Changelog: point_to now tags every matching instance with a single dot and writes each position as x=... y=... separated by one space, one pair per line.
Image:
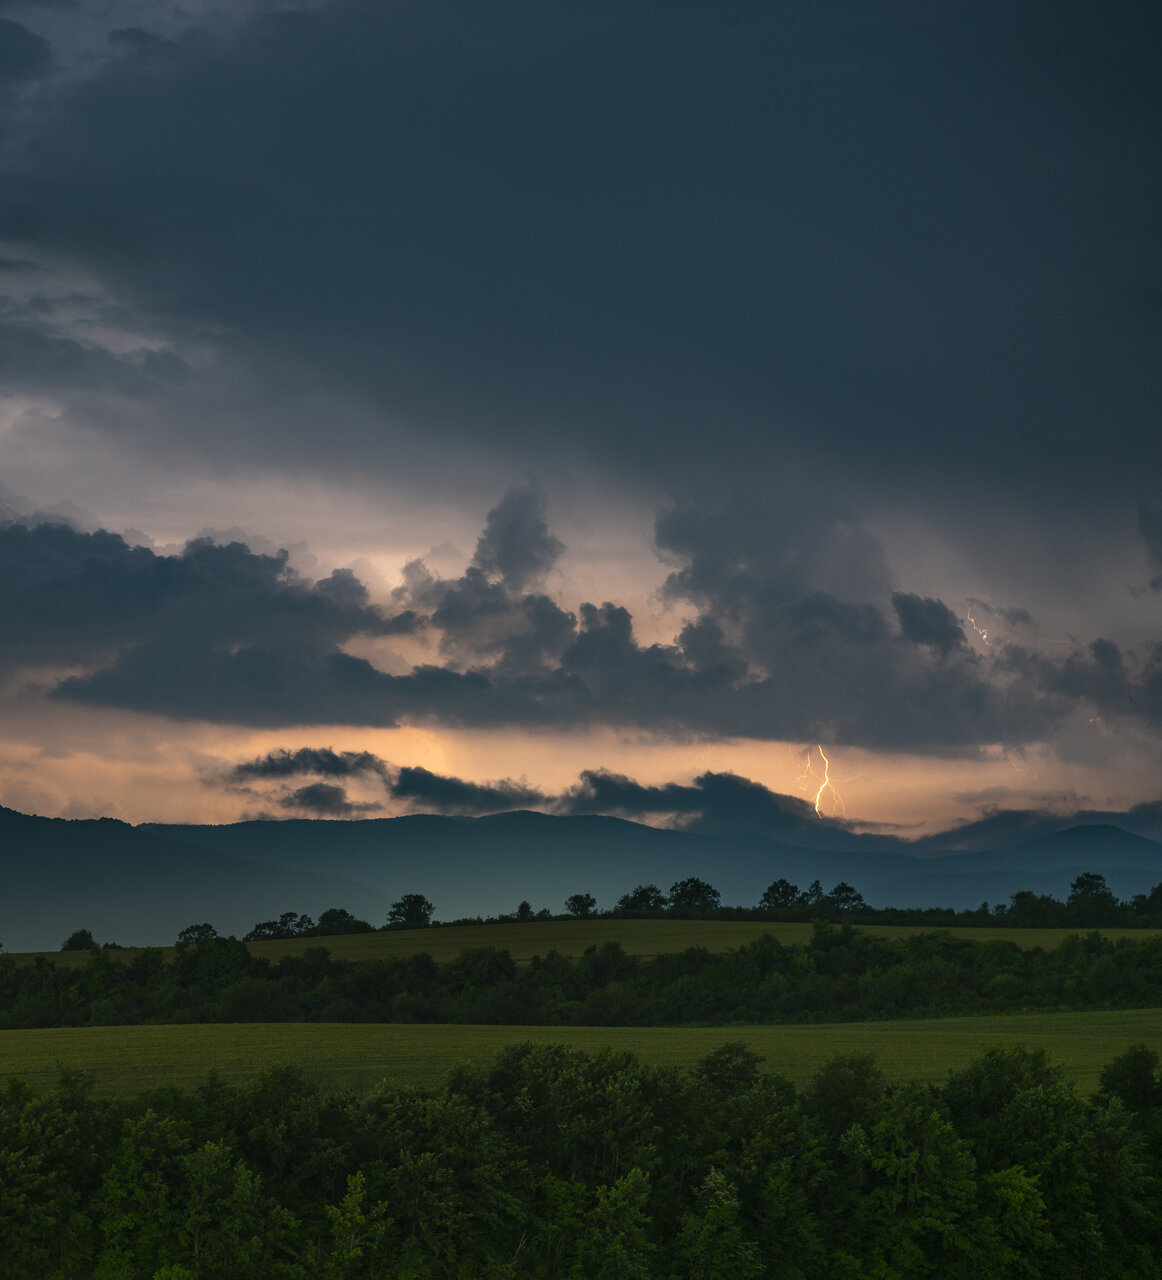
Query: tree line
x=549 y=1162
x=1091 y=904
x=839 y=974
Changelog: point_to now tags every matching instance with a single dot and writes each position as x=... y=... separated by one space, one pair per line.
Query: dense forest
x=840 y=974
x=547 y=1162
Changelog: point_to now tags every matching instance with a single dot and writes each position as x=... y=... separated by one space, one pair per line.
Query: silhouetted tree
x=694 y=895
x=524 y=912
x=1029 y=910
x=643 y=897
x=779 y=896
x=1090 y=900
x=288 y=925
x=580 y=905
x=412 y=911
x=846 y=898
x=812 y=895
x=80 y=940
x=339 y=920
x=192 y=934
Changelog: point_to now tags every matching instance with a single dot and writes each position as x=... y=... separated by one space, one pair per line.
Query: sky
x=583 y=406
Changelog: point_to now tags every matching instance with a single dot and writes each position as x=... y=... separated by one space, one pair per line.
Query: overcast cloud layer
x=861 y=302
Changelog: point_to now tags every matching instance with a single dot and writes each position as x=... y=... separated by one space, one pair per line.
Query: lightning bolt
x=982 y=632
x=809 y=777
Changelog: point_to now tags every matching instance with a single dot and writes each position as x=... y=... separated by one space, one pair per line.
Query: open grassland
x=127 y=1060
x=571 y=937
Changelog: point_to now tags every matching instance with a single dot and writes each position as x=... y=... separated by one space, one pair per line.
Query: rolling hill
x=141 y=885
x=138 y=887
x=485 y=866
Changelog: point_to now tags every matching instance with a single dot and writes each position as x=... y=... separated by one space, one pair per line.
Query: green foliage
x=357 y=1231
x=550 y=1162
x=841 y=974
x=1134 y=1079
x=710 y=1242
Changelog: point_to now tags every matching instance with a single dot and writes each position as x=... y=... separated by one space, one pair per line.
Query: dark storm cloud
x=926 y=621
x=516 y=544
x=487 y=611
x=1011 y=617
x=23 y=55
x=325 y=800
x=224 y=634
x=712 y=804
x=35 y=359
x=1150 y=527
x=72 y=597
x=443 y=794
x=319 y=760
x=857 y=248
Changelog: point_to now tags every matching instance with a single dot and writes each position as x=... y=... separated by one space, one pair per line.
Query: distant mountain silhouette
x=141 y=885
x=1012 y=826
x=138 y=887
x=485 y=866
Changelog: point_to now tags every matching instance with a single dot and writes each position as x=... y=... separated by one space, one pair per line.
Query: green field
x=571 y=937
x=126 y=1060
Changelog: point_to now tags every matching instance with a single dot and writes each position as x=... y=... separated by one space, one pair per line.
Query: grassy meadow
x=644 y=938
x=127 y=1060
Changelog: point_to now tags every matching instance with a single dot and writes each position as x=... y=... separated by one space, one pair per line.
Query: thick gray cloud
x=1150 y=527
x=432 y=791
x=325 y=800
x=77 y=597
x=23 y=55
x=319 y=760
x=516 y=544
x=222 y=633
x=713 y=804
x=887 y=253
x=784 y=274
x=416 y=786
x=925 y=621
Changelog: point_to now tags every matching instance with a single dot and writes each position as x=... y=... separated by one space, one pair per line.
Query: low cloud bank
x=797 y=648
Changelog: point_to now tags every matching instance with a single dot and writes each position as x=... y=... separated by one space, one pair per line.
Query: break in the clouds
x=855 y=306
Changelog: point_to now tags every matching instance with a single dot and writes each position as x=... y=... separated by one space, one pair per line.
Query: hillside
x=471 y=866
x=133 y=886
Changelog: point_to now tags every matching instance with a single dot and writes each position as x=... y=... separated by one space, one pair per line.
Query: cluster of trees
x=1091 y=904
x=412 y=911
x=548 y=1162
x=840 y=974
